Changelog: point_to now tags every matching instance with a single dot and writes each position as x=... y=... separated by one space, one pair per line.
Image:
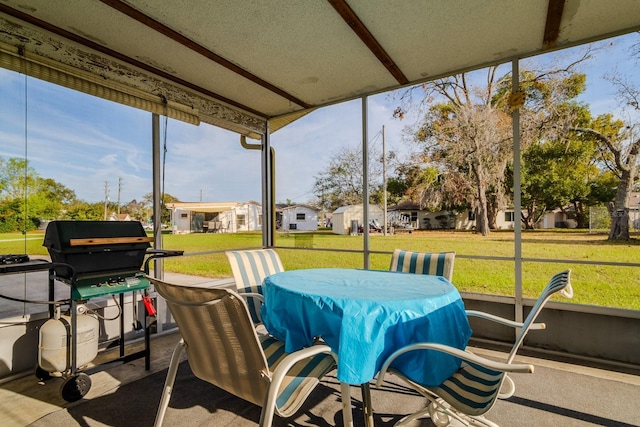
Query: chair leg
x=347 y=416
x=412 y=417
x=367 y=405
x=168 y=383
x=268 y=407
x=507 y=389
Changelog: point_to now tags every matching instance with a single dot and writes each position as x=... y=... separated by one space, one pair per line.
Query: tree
x=165 y=217
x=340 y=183
x=556 y=175
x=624 y=150
x=558 y=172
x=49 y=199
x=28 y=198
x=9 y=219
x=466 y=131
x=467 y=137
x=16 y=177
x=136 y=210
x=80 y=210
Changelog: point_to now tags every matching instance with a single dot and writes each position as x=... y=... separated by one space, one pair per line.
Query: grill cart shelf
x=95 y=258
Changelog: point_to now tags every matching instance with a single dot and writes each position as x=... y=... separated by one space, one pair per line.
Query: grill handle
x=108 y=241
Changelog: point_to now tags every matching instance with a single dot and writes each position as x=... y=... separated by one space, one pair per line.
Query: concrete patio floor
x=557 y=394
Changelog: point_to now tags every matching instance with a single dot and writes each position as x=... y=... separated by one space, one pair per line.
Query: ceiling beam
x=552 y=26
x=117 y=55
x=192 y=45
x=349 y=16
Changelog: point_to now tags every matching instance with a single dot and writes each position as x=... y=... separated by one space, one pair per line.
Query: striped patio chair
x=437 y=264
x=473 y=389
x=249 y=268
x=224 y=349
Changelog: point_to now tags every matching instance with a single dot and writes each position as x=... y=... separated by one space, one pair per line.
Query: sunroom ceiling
x=236 y=63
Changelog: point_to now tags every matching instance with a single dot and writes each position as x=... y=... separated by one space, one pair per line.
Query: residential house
x=229 y=217
x=119 y=217
x=298 y=217
x=345 y=218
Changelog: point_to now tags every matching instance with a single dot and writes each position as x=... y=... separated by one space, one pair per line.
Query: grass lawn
x=611 y=286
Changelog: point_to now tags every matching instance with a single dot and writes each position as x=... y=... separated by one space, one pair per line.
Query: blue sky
x=88 y=144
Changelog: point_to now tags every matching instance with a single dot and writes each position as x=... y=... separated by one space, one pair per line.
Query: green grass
x=602 y=285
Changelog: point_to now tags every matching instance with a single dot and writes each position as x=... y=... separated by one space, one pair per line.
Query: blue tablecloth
x=365 y=315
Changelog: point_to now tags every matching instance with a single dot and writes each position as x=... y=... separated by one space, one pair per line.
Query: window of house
x=241 y=220
x=260 y=219
x=509 y=216
x=184 y=215
x=301 y=216
x=472 y=216
x=414 y=216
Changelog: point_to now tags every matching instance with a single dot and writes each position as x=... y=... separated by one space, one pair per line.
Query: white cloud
x=109 y=160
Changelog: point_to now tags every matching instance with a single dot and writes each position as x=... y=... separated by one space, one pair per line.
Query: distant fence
x=600 y=219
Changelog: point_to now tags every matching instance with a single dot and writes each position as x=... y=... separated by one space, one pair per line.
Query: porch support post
x=158 y=266
x=517 y=195
x=365 y=184
x=158 y=271
x=268 y=190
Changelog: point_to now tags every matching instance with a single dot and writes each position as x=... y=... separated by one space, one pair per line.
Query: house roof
x=356 y=208
x=405 y=206
x=235 y=64
x=120 y=217
x=203 y=206
x=298 y=205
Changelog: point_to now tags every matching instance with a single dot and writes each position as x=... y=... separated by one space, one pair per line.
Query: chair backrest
x=249 y=268
x=560 y=282
x=221 y=342
x=438 y=264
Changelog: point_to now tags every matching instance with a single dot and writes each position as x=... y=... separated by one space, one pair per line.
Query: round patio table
x=366 y=315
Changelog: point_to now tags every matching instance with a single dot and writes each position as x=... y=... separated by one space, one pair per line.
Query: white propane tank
x=53 y=355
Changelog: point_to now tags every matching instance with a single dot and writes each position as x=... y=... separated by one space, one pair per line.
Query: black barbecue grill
x=98 y=258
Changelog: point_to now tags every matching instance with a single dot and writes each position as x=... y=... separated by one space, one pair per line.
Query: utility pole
x=384 y=184
x=106 y=198
x=119 y=189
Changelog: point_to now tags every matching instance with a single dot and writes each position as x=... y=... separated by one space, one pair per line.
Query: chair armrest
x=293 y=358
x=255 y=295
x=278 y=375
x=502 y=320
x=461 y=354
x=567 y=292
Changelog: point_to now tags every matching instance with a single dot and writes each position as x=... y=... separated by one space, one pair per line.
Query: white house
x=242 y=217
x=231 y=217
x=119 y=217
x=297 y=217
x=343 y=217
x=427 y=220
x=410 y=214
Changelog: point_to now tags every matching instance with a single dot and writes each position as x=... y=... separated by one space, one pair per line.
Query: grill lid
x=92 y=247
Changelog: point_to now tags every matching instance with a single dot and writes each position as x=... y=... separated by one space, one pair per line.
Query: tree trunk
x=482 y=222
x=581 y=216
x=492 y=214
x=527 y=220
x=620 y=210
x=619 y=224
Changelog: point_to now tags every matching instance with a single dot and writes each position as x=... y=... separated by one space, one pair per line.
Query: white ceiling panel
x=240 y=62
